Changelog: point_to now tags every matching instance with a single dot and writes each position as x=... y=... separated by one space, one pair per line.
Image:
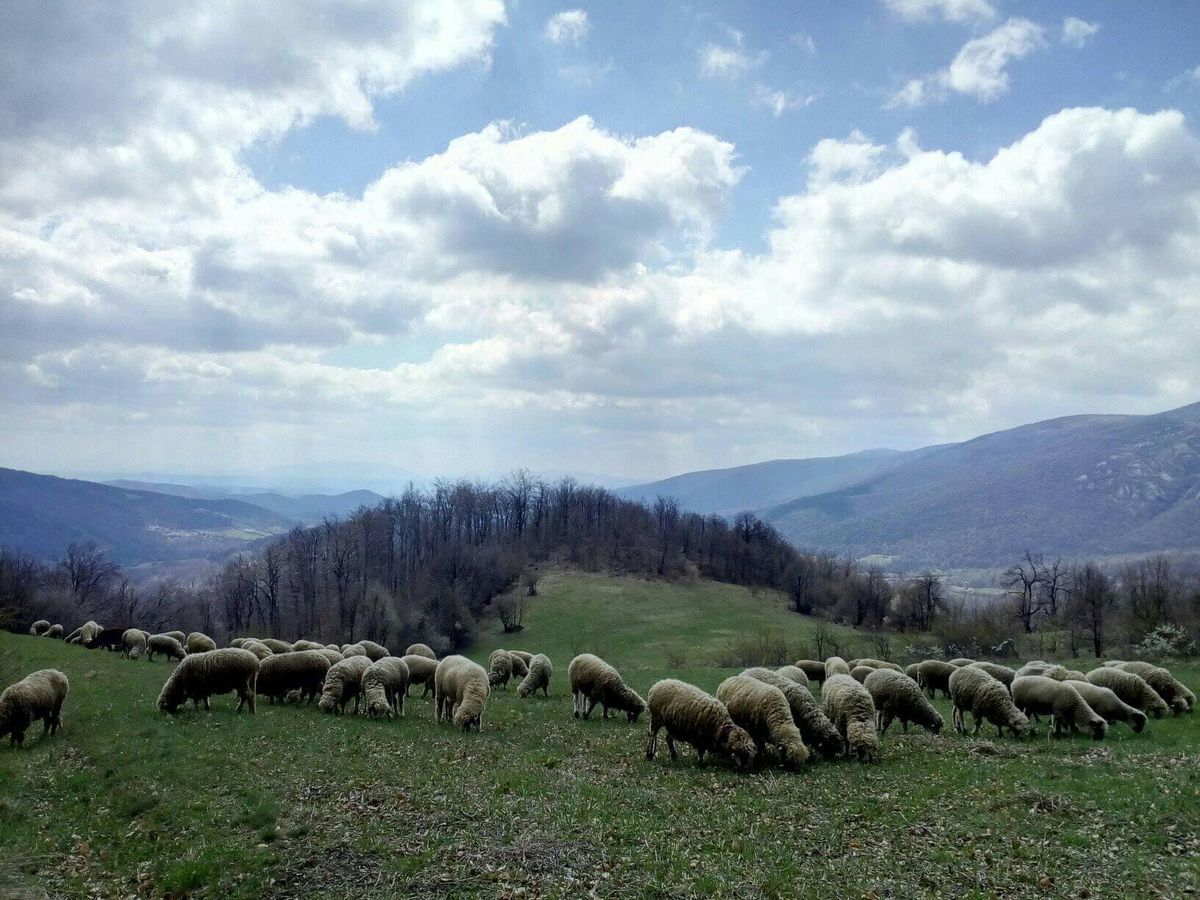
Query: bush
x=762 y=648
x=1166 y=640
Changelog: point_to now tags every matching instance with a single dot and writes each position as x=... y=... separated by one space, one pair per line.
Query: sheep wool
x=334 y=656
x=860 y=673
x=349 y=650
x=975 y=691
x=1131 y=689
x=896 y=696
x=258 y=648
x=849 y=707
x=690 y=715
x=934 y=675
x=1003 y=674
x=178 y=635
x=56 y=632
x=499 y=668
x=795 y=673
x=383 y=687
x=375 y=652
x=420 y=650
x=275 y=645
x=520 y=668
x=538 y=679
x=835 y=665
x=307 y=645
x=816 y=729
x=524 y=655
x=135 y=643
x=279 y=674
x=200 y=676
x=421 y=670
x=593 y=681
x=1107 y=704
x=876 y=664
x=1041 y=695
x=38 y=696
x=813 y=668
x=461 y=691
x=39 y=628
x=763 y=711
x=164 y=645
x=84 y=633
x=198 y=642
x=343 y=683
x=961 y=661
x=1174 y=694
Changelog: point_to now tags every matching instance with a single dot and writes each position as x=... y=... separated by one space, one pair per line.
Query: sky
x=457 y=238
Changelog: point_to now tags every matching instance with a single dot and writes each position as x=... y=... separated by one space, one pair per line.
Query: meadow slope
x=286 y=803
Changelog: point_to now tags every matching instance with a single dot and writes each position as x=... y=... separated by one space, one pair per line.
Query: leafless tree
x=1092 y=604
x=88 y=573
x=1022 y=580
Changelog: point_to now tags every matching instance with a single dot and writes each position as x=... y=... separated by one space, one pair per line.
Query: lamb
x=198 y=642
x=975 y=691
x=343 y=683
x=278 y=674
x=39 y=628
x=593 y=681
x=420 y=650
x=56 y=632
x=835 y=665
x=934 y=675
x=1173 y=692
x=1107 y=704
x=375 y=652
x=538 y=678
x=1003 y=674
x=860 y=673
x=39 y=695
x=461 y=691
x=896 y=696
x=421 y=670
x=1131 y=689
x=164 y=645
x=520 y=668
x=813 y=668
x=84 y=632
x=849 y=707
x=258 y=648
x=276 y=646
x=1038 y=694
x=763 y=711
x=136 y=643
x=383 y=687
x=499 y=668
x=202 y=675
x=795 y=673
x=815 y=727
x=697 y=718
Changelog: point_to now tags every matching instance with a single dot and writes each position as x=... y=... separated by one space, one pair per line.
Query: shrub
x=1165 y=640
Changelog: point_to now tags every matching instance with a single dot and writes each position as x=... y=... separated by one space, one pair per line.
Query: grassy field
x=291 y=803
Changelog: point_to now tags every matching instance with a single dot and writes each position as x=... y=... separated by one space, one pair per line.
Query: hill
x=306 y=508
x=42 y=514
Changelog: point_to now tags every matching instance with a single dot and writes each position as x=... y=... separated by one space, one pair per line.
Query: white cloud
x=1077 y=32
x=979 y=69
x=1190 y=78
x=779 y=101
x=729 y=60
x=570 y=26
x=852 y=160
x=966 y=11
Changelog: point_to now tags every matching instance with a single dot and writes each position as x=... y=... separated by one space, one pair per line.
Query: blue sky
x=633 y=238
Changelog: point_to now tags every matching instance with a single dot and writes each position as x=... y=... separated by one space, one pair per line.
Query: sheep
x=763 y=711
x=135 y=642
x=39 y=695
x=538 y=678
x=461 y=691
x=499 y=668
x=1038 y=694
x=961 y=661
x=198 y=642
x=849 y=707
x=349 y=650
x=201 y=675
x=911 y=670
x=520 y=668
x=813 y=668
x=375 y=652
x=1068 y=674
x=1173 y=692
x=975 y=691
x=860 y=673
x=343 y=683
x=111 y=639
x=934 y=675
x=421 y=670
x=333 y=647
x=258 y=648
x=1003 y=674
x=1131 y=689
x=278 y=674
x=39 y=628
x=694 y=717
x=1034 y=667
x=835 y=665
x=875 y=664
x=306 y=645
x=524 y=655
x=383 y=687
x=239 y=642
x=165 y=645
x=275 y=645
x=1107 y=704
x=84 y=632
x=334 y=656
x=896 y=696
x=178 y=635
x=593 y=681
x=420 y=650
x=56 y=632
x=816 y=729
x=795 y=673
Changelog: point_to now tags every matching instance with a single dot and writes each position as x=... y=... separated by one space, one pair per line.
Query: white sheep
x=375 y=652
x=795 y=673
x=279 y=674
x=200 y=676
x=1041 y=695
x=1131 y=689
x=39 y=695
x=1166 y=685
x=384 y=686
x=136 y=643
x=896 y=696
x=593 y=681
x=461 y=691
x=1107 y=704
x=690 y=715
x=934 y=675
x=763 y=711
x=39 y=628
x=813 y=668
x=421 y=650
x=816 y=729
x=198 y=642
x=1003 y=674
x=499 y=668
x=835 y=665
x=850 y=708
x=421 y=670
x=538 y=679
x=164 y=645
x=975 y=691
x=343 y=683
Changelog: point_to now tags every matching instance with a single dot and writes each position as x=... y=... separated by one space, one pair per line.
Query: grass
x=287 y=803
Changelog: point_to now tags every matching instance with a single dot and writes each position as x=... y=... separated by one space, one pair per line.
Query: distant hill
x=42 y=514
x=306 y=508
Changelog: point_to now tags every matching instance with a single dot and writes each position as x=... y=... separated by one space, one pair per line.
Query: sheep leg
x=674 y=752
x=652 y=740
x=957 y=719
x=591 y=706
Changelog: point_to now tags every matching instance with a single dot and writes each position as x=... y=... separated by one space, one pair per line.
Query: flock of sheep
x=757 y=713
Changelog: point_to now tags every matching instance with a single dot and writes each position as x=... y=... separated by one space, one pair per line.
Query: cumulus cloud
x=979 y=69
x=729 y=60
x=1078 y=32
x=967 y=11
x=570 y=26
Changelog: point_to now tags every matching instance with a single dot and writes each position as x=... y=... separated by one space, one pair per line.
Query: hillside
x=306 y=508
x=42 y=514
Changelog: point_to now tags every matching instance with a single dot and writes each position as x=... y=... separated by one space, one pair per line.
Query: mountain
x=306 y=508
x=42 y=514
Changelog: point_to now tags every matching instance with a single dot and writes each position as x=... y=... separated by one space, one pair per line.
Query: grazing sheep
x=421 y=670
x=383 y=687
x=1003 y=674
x=349 y=650
x=343 y=683
x=39 y=628
x=279 y=674
x=961 y=661
x=1068 y=674
x=39 y=695
x=499 y=668
x=795 y=673
x=333 y=647
x=816 y=729
x=136 y=643
x=524 y=655
x=84 y=632
x=849 y=707
x=835 y=665
x=240 y=642
x=813 y=668
x=202 y=675
x=334 y=656
x=164 y=645
x=1166 y=685
x=258 y=648
x=461 y=692
x=1131 y=689
x=975 y=691
x=178 y=635
x=110 y=639
x=934 y=675
x=375 y=652
x=1034 y=667
x=694 y=717
x=896 y=696
x=198 y=642
x=911 y=670
x=1037 y=695
x=421 y=650
x=56 y=632
x=520 y=668
x=275 y=645
x=860 y=673
x=875 y=664
x=763 y=711
x=593 y=681
x=306 y=645
x=538 y=678
x=1107 y=704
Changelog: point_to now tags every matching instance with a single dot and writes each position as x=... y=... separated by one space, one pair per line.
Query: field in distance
x=289 y=802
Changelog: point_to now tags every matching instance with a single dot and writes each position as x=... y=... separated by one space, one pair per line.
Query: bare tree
x=1022 y=580
x=88 y=573
x=1093 y=602
x=1054 y=588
